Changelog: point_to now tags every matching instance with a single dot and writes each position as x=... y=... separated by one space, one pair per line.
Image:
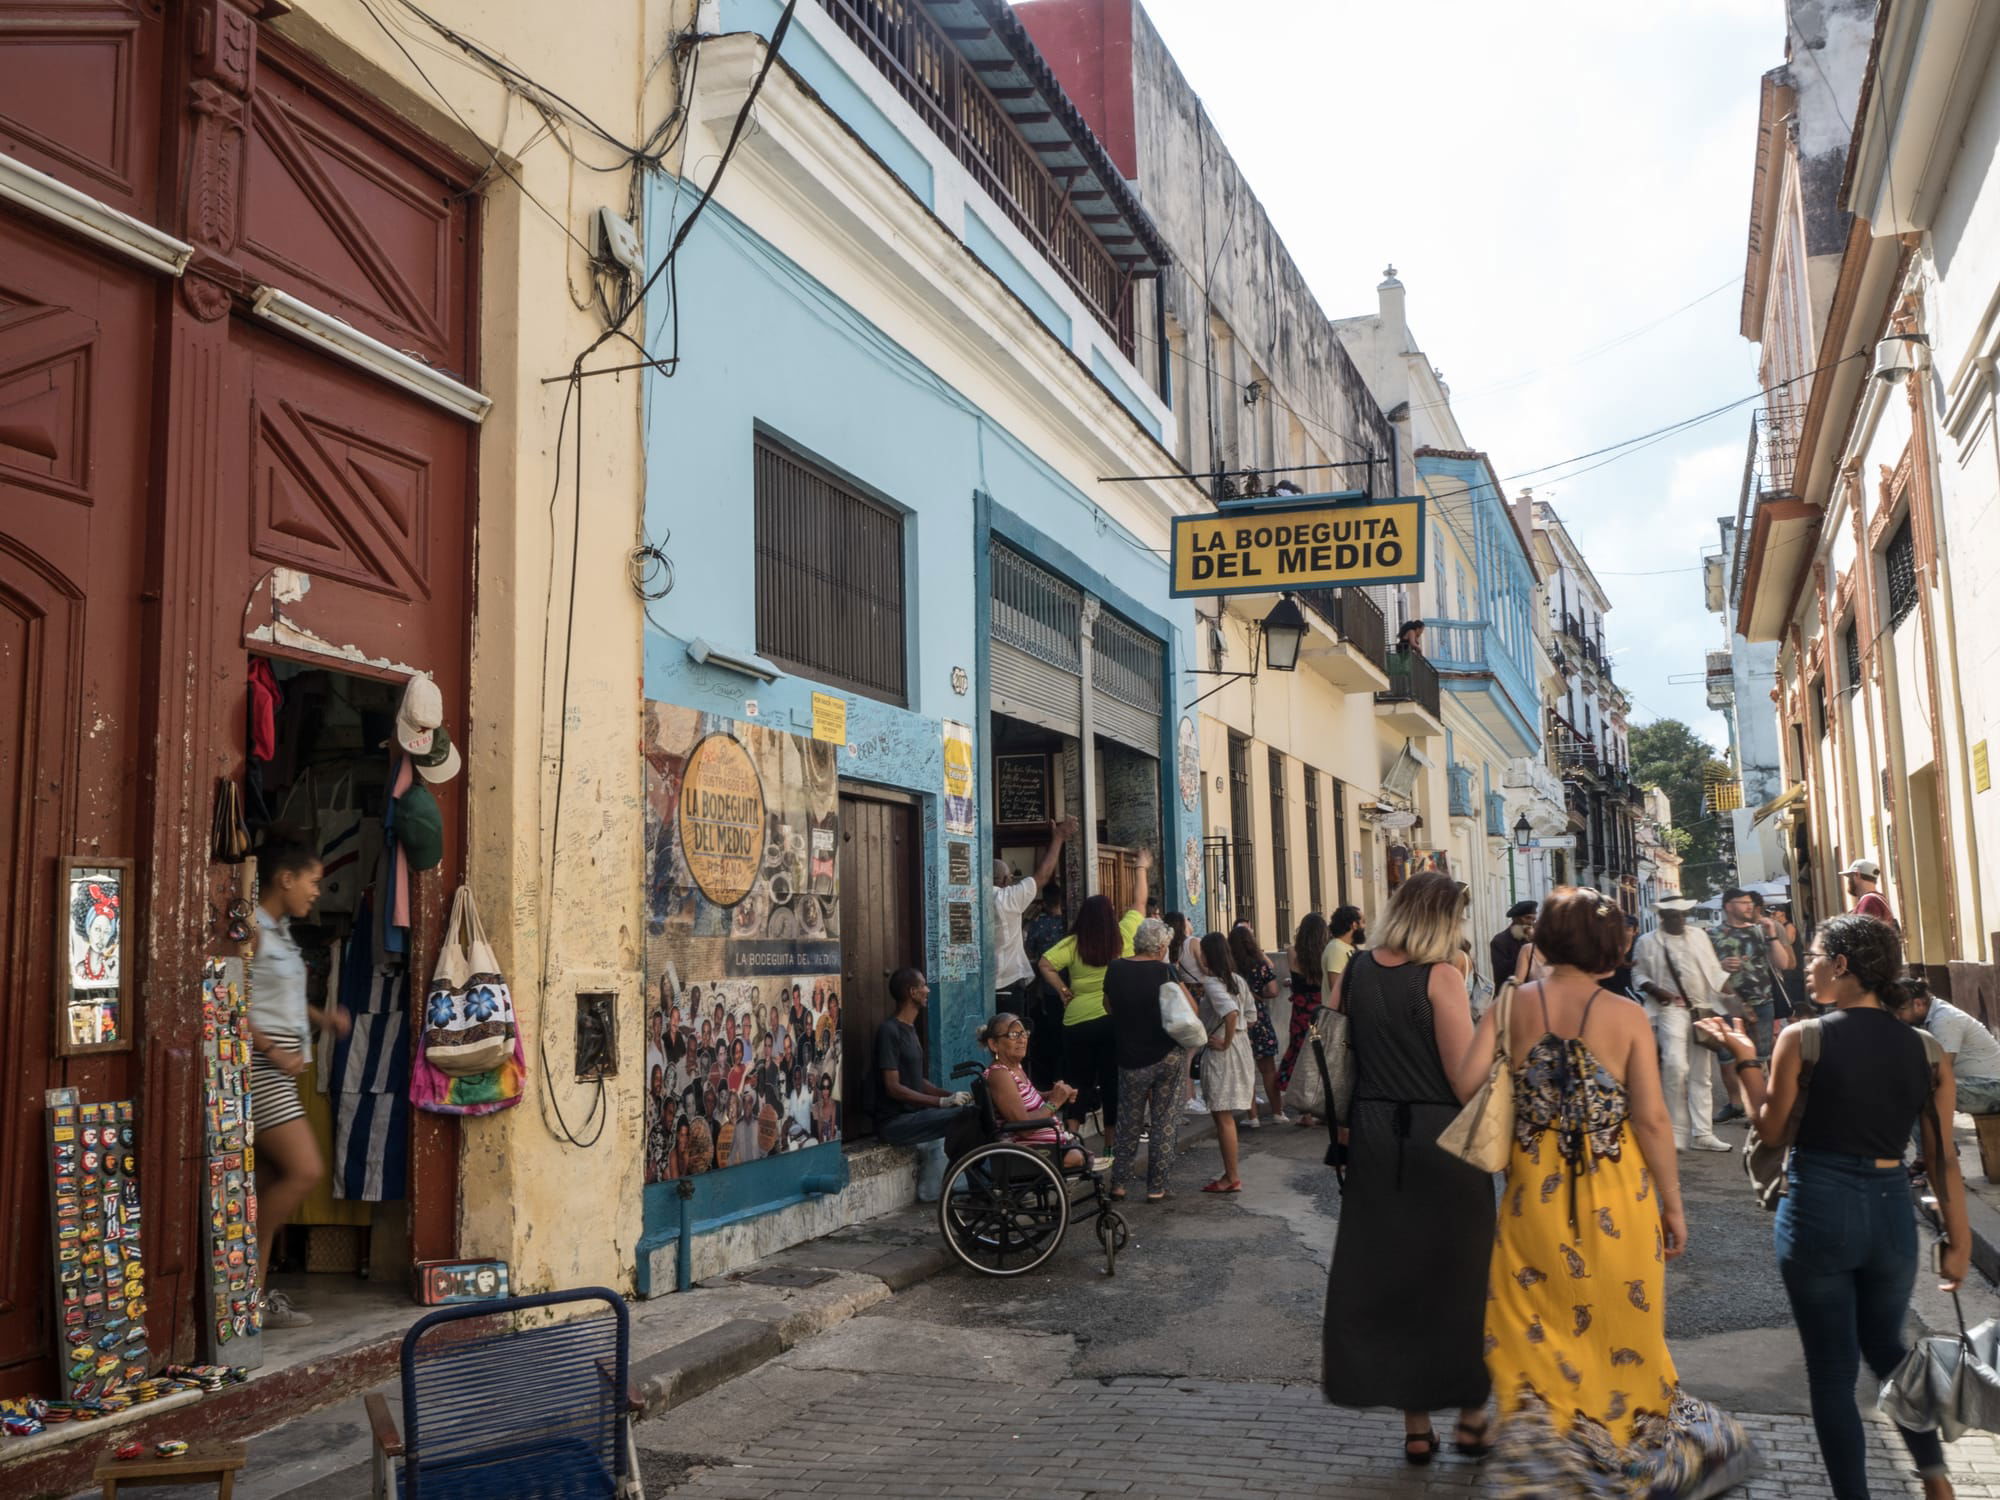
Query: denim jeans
x=1847 y=1250
x=1978 y=1096
x=924 y=1131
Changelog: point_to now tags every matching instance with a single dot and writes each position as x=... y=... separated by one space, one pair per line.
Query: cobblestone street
x=1191 y=1374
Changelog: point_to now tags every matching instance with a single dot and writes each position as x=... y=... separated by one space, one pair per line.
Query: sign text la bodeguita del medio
x=1313 y=542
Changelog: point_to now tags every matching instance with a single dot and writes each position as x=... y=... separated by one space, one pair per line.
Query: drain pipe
x=684 y=1251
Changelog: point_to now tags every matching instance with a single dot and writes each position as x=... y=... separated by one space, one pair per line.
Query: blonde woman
x=1406 y=1299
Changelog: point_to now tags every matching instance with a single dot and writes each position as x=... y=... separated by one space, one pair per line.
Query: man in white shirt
x=1675 y=968
x=1012 y=897
x=1975 y=1054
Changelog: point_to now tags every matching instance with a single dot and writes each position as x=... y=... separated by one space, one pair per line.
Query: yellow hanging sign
x=1314 y=542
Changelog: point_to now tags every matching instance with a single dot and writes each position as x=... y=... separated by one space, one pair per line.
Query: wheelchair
x=1007 y=1204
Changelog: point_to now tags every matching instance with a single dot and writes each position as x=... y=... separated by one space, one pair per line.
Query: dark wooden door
x=881 y=930
x=76 y=337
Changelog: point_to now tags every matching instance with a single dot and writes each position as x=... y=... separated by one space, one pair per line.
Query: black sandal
x=1481 y=1443
x=1419 y=1448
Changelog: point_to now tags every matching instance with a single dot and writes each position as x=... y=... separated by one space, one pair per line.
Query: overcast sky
x=1548 y=178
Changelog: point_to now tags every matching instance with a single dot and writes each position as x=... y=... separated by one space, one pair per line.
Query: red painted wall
x=1089 y=45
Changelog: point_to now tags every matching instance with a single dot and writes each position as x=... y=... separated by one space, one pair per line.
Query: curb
x=693 y=1367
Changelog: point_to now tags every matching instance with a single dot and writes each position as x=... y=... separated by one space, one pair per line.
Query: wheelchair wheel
x=1112 y=1235
x=1004 y=1209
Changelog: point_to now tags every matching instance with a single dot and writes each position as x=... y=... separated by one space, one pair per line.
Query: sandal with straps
x=1481 y=1442
x=1419 y=1448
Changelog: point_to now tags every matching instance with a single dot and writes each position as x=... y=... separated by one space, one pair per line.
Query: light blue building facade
x=820 y=371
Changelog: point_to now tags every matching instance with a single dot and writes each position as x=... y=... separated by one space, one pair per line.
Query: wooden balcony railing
x=909 y=49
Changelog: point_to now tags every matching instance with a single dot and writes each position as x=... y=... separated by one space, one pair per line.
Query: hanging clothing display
x=369 y=1081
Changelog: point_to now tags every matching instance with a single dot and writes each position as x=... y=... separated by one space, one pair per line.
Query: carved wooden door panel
x=75 y=349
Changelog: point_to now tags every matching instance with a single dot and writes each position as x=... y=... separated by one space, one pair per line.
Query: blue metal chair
x=525 y=1412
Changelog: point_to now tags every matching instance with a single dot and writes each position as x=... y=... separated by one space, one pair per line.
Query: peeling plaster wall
x=562 y=1215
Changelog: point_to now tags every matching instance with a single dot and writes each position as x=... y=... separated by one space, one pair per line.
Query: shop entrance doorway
x=881 y=929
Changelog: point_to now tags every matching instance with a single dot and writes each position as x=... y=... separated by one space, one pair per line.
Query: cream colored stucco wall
x=561 y=1214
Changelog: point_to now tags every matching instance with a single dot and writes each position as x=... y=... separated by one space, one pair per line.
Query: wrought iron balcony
x=1355 y=618
x=1412 y=679
x=1071 y=206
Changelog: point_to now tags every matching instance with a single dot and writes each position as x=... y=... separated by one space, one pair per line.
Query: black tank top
x=1868 y=1088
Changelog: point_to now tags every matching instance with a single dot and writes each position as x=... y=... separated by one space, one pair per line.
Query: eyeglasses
x=1018 y=1031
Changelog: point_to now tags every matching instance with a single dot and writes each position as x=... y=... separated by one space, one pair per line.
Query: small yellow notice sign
x=829 y=718
x=1982 y=768
x=1315 y=543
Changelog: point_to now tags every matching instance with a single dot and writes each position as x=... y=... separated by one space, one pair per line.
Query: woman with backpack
x=1846 y=1238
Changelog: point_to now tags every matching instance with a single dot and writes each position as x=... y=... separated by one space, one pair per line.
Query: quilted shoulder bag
x=469 y=1011
x=1483 y=1134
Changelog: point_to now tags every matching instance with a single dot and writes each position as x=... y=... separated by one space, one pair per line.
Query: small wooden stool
x=203 y=1463
x=1988 y=1127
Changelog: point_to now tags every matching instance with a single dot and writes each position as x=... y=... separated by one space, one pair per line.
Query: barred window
x=1850 y=648
x=1900 y=559
x=829 y=578
x=1313 y=880
x=1281 y=875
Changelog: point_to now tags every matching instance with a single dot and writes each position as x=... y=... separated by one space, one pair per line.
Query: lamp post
x=1521 y=834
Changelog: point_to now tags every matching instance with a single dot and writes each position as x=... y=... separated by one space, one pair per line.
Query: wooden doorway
x=881 y=930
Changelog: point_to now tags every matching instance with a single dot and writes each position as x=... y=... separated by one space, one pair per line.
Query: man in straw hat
x=1676 y=973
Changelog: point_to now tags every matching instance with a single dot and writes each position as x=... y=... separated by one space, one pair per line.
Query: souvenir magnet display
x=95 y=1223
x=231 y=1323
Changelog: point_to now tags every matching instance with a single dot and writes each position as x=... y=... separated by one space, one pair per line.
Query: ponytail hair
x=284 y=851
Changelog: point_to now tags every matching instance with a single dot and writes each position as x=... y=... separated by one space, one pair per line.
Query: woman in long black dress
x=1406 y=1299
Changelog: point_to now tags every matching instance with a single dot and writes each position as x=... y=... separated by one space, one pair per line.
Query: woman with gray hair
x=1152 y=1064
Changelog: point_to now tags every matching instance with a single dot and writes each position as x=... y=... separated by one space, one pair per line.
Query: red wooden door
x=76 y=336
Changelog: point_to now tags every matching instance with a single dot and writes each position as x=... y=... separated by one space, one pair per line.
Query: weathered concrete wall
x=562 y=1214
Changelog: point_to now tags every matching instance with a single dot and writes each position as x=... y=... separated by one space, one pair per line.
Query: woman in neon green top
x=1090 y=1053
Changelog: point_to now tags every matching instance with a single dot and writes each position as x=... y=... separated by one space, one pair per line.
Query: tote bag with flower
x=469 y=1011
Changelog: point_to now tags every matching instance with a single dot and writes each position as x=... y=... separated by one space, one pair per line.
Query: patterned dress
x=1590 y=1404
x=1263 y=1035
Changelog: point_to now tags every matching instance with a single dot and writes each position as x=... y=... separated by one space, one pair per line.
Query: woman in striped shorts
x=289 y=1164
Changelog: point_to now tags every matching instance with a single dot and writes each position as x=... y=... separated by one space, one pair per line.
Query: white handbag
x=1178 y=1018
x=469 y=1011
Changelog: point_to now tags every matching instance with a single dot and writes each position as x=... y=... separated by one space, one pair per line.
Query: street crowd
x=1529 y=1306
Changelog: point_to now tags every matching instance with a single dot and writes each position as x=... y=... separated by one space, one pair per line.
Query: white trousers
x=1685 y=1074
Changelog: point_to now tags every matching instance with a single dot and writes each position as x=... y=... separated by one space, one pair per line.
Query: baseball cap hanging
x=442 y=761
x=420 y=827
x=419 y=715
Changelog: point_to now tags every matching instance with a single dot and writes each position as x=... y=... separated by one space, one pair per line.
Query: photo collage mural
x=742 y=942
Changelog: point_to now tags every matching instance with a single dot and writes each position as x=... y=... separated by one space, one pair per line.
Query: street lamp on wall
x=1284 y=633
x=1522 y=832
x=1281 y=633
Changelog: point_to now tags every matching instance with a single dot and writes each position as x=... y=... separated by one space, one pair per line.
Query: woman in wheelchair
x=1015 y=1098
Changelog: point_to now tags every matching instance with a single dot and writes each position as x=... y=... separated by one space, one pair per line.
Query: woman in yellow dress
x=1590 y=1404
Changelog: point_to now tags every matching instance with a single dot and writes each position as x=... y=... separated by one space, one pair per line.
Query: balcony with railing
x=983 y=88
x=1412 y=703
x=1575 y=752
x=1352 y=654
x=1477 y=658
x=1464 y=795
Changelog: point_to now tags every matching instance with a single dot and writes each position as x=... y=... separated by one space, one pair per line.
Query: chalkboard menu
x=1024 y=788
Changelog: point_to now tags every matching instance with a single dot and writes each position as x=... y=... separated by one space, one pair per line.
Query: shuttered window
x=1850 y=648
x=829 y=578
x=1900 y=560
x=1313 y=886
x=1281 y=851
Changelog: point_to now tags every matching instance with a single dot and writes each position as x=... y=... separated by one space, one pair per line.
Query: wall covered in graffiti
x=742 y=942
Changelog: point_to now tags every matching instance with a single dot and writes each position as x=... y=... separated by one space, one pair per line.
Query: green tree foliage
x=1669 y=755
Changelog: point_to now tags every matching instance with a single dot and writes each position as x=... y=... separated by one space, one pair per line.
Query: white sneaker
x=1196 y=1106
x=278 y=1312
x=1712 y=1143
x=1251 y=1122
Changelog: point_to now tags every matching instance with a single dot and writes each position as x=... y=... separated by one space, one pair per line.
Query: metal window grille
x=1314 y=887
x=1819 y=706
x=1340 y=871
x=1126 y=663
x=829 y=578
x=1281 y=875
x=1245 y=884
x=1850 y=647
x=1900 y=559
x=1036 y=611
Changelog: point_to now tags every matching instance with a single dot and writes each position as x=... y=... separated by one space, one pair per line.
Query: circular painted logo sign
x=722 y=819
x=1190 y=765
